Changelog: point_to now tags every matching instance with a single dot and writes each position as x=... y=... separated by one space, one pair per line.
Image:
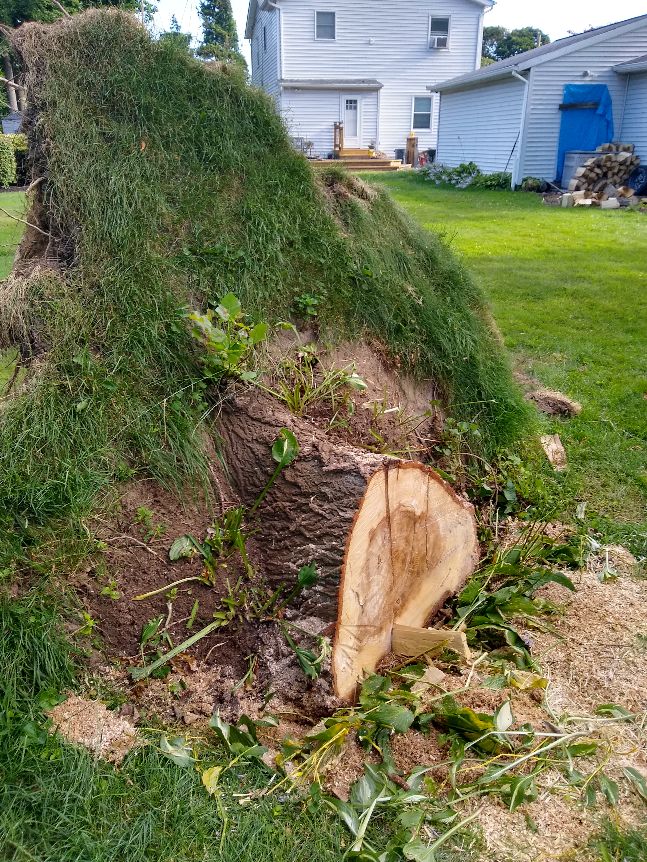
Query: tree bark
x=11 y=91
x=308 y=513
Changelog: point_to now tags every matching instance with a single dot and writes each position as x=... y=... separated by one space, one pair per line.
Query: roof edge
x=530 y=59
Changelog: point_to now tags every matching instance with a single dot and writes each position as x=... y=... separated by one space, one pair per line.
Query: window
x=265 y=38
x=439 y=32
x=422 y=112
x=325 y=25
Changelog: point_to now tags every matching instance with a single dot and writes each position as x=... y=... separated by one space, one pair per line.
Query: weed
x=111 y=591
x=227 y=346
x=307 y=304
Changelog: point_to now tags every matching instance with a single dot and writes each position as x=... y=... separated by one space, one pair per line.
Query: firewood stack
x=612 y=168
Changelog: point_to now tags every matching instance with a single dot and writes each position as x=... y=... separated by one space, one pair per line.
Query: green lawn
x=569 y=292
x=10 y=233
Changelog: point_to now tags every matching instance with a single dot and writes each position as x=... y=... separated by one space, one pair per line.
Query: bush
x=459 y=177
x=19 y=144
x=496 y=181
x=7 y=163
x=464 y=176
x=532 y=184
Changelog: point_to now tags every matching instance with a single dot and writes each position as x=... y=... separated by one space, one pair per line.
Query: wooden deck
x=359 y=160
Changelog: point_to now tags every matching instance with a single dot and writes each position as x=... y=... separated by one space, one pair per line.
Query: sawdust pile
x=90 y=724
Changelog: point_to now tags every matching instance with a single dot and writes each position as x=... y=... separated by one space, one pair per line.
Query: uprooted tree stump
x=391 y=539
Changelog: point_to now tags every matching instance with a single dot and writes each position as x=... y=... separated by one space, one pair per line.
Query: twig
x=28 y=223
x=137 y=542
x=62 y=8
x=12 y=84
x=34 y=183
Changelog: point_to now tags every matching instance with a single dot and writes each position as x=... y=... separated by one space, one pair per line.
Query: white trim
x=325 y=12
x=516 y=170
x=449 y=33
x=479 y=41
x=430 y=127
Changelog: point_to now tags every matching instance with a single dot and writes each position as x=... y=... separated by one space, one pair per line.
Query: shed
x=522 y=114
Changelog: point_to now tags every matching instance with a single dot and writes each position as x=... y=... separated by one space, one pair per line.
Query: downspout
x=624 y=107
x=515 y=179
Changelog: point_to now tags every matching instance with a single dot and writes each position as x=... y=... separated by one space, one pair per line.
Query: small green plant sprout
x=111 y=591
x=227 y=340
x=285 y=451
x=307 y=304
x=311 y=663
x=144 y=517
x=274 y=606
x=87 y=627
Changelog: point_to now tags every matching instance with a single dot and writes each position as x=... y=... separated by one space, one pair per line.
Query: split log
x=392 y=540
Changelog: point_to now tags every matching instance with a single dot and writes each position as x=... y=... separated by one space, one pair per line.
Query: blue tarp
x=585 y=128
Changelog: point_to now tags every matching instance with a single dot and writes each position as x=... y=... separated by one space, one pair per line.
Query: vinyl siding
x=266 y=62
x=311 y=114
x=547 y=81
x=634 y=126
x=387 y=41
x=481 y=125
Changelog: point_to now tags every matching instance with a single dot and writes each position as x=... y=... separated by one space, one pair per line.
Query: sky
x=558 y=18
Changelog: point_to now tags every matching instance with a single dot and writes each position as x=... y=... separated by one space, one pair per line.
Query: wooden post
x=412 y=149
x=339 y=140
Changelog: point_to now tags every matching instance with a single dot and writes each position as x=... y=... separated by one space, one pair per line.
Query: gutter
x=516 y=179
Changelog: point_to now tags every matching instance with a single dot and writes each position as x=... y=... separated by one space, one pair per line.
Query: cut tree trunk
x=391 y=540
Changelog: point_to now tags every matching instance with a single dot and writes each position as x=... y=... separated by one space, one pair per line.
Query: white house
x=363 y=63
x=522 y=113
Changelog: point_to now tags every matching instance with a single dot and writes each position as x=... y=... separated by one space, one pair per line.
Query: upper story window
x=265 y=38
x=438 y=32
x=325 y=26
x=422 y=112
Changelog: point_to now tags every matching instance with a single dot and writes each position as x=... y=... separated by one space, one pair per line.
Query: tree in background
x=219 y=35
x=175 y=36
x=500 y=43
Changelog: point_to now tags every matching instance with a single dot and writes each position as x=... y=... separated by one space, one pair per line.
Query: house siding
x=634 y=125
x=266 y=61
x=386 y=41
x=482 y=125
x=310 y=114
x=547 y=81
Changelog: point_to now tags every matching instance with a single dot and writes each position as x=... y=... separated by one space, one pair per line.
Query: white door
x=351 y=118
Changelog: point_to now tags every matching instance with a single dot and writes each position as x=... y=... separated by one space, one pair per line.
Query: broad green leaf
x=393 y=715
x=356 y=382
x=363 y=792
x=372 y=687
x=411 y=818
x=150 y=629
x=177 y=750
x=346 y=812
x=638 y=780
x=307 y=576
x=503 y=717
x=590 y=795
x=609 y=788
x=582 y=749
x=417 y=851
x=613 y=710
x=210 y=779
x=183 y=546
x=285 y=448
x=229 y=307
x=258 y=333
x=221 y=727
